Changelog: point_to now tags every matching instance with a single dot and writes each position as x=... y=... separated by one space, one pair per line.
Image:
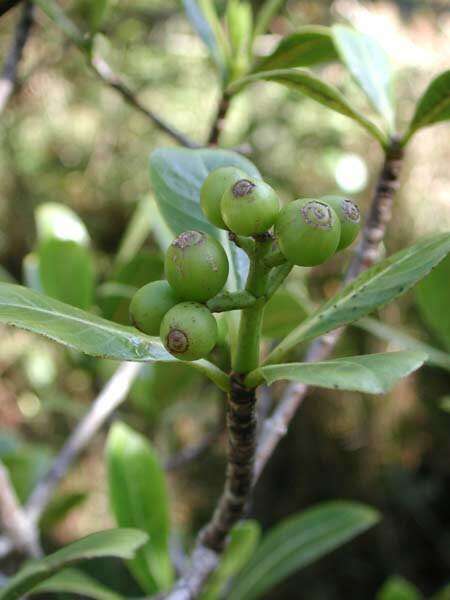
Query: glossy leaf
x=402 y=340
x=372 y=289
x=433 y=106
x=66 y=272
x=244 y=539
x=298 y=541
x=370 y=67
x=177 y=175
x=85 y=332
x=397 y=588
x=73 y=581
x=433 y=300
x=120 y=543
x=372 y=373
x=307 y=46
x=304 y=82
x=138 y=496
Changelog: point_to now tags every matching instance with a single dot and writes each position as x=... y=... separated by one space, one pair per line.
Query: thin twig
x=112 y=395
x=15 y=522
x=365 y=256
x=21 y=35
x=106 y=74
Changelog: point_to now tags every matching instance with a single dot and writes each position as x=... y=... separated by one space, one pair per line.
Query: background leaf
x=138 y=496
x=370 y=67
x=404 y=341
x=66 y=272
x=73 y=581
x=297 y=542
x=244 y=539
x=433 y=300
x=397 y=588
x=282 y=313
x=372 y=289
x=433 y=106
x=371 y=373
x=307 y=46
x=308 y=84
x=121 y=543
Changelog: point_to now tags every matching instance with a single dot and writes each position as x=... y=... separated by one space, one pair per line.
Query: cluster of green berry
x=307 y=232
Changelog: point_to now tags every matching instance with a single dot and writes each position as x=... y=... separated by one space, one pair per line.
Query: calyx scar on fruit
x=308 y=232
x=196 y=266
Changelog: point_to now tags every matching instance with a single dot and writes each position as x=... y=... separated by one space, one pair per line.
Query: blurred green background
x=68 y=139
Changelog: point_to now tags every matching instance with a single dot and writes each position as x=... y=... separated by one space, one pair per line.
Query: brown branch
x=365 y=256
x=15 y=522
x=106 y=74
x=21 y=35
x=219 y=120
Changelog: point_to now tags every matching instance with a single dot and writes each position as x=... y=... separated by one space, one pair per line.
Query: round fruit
x=349 y=216
x=308 y=232
x=212 y=190
x=149 y=305
x=196 y=266
x=250 y=206
x=189 y=331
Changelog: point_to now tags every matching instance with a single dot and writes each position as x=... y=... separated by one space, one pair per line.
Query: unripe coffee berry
x=308 y=232
x=249 y=207
x=212 y=190
x=349 y=216
x=149 y=305
x=189 y=331
x=196 y=266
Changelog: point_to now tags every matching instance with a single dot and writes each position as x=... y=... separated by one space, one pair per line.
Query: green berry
x=308 y=232
x=196 y=266
x=212 y=190
x=349 y=216
x=249 y=207
x=189 y=331
x=149 y=305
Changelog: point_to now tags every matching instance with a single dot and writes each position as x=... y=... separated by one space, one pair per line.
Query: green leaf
x=268 y=10
x=59 y=508
x=370 y=67
x=87 y=333
x=397 y=588
x=67 y=272
x=402 y=340
x=433 y=300
x=433 y=106
x=298 y=541
x=120 y=543
x=138 y=495
x=372 y=289
x=56 y=221
x=177 y=175
x=73 y=581
x=239 y=21
x=372 y=373
x=307 y=46
x=244 y=539
x=207 y=31
x=97 y=13
x=304 y=82
x=282 y=313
